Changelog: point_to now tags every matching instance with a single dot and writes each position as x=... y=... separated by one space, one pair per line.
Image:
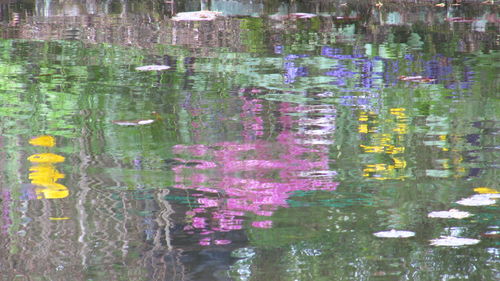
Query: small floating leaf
x=488 y=2
x=478 y=200
x=347 y=18
x=491 y=234
x=460 y=19
x=417 y=79
x=152 y=68
x=451 y=214
x=47 y=141
x=451 y=241
x=301 y=15
x=394 y=234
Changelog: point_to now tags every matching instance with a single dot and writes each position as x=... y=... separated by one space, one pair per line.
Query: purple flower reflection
x=335 y=53
x=278 y=49
x=409 y=57
x=328 y=51
x=468 y=78
x=341 y=73
x=360 y=101
x=366 y=74
x=292 y=72
x=439 y=68
x=294 y=56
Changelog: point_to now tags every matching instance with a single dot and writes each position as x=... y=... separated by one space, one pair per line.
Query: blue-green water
x=276 y=146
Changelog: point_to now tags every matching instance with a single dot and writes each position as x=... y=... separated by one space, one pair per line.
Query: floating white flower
x=478 y=200
x=450 y=241
x=197 y=16
x=451 y=214
x=133 y=122
x=152 y=68
x=394 y=234
x=292 y=16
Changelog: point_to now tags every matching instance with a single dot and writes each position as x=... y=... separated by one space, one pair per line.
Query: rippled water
x=359 y=143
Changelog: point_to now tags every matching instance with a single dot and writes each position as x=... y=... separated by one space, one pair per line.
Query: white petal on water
x=145 y=122
x=197 y=16
x=125 y=123
x=292 y=16
x=477 y=200
x=491 y=233
x=451 y=214
x=394 y=234
x=316 y=142
x=450 y=241
x=318 y=174
x=152 y=68
x=133 y=123
x=303 y=15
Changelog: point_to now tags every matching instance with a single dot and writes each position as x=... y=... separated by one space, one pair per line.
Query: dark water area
x=280 y=140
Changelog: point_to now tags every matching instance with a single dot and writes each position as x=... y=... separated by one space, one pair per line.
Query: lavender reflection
x=257 y=176
x=292 y=70
x=361 y=73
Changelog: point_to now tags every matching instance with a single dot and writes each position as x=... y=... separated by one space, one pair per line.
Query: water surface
x=273 y=148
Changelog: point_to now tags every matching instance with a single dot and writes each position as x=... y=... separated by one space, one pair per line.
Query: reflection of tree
x=142 y=23
x=79 y=225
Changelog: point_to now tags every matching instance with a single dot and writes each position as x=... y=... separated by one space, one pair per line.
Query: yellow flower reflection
x=54 y=191
x=46 y=158
x=363 y=128
x=486 y=190
x=47 y=141
x=58 y=219
x=44 y=174
x=383 y=137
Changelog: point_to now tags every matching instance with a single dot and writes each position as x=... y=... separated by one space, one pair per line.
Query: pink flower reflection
x=258 y=176
x=205 y=241
x=199 y=222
